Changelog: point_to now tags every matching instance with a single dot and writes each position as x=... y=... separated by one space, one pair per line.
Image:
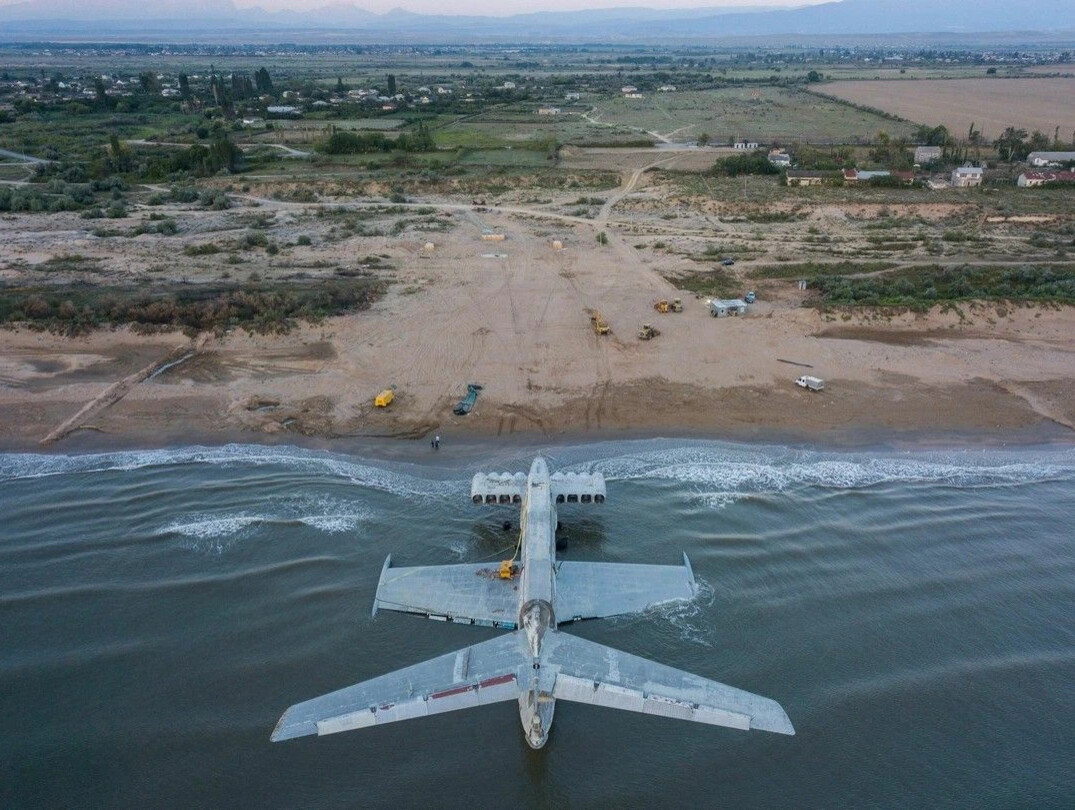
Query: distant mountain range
x=627 y=25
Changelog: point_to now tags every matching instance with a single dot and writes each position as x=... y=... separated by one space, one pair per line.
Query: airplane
x=536 y=664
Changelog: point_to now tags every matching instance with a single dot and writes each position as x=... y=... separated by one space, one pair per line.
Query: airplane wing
x=473 y=676
x=472 y=593
x=586 y=590
x=601 y=676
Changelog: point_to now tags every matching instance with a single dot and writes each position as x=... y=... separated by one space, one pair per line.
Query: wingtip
x=690 y=573
x=384 y=570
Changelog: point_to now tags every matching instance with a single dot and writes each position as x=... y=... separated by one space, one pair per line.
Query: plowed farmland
x=990 y=104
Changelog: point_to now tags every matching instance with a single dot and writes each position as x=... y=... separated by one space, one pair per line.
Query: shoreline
x=471 y=443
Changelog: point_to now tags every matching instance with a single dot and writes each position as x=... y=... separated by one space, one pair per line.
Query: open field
x=990 y=104
x=762 y=114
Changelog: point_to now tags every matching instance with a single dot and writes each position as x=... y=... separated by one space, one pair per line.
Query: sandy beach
x=517 y=322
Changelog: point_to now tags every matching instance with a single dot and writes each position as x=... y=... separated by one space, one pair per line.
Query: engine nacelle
x=578 y=487
x=498 y=488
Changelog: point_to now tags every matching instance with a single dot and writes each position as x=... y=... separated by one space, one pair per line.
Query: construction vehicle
x=599 y=324
x=677 y=304
x=507 y=569
x=811 y=383
x=384 y=399
x=750 y=297
x=662 y=306
x=647 y=332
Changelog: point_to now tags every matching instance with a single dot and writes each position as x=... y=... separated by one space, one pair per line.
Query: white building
x=629 y=88
x=967 y=176
x=926 y=154
x=632 y=95
x=666 y=88
x=508 y=86
x=1039 y=159
x=572 y=97
x=548 y=110
x=745 y=145
x=1032 y=179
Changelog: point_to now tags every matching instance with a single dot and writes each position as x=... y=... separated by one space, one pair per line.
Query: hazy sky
x=502 y=7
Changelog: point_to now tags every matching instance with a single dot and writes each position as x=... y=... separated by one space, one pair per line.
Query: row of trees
x=343 y=142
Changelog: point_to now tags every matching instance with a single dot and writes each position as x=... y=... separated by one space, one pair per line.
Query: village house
x=926 y=154
x=1039 y=159
x=967 y=177
x=632 y=95
x=548 y=110
x=572 y=96
x=745 y=145
x=666 y=88
x=629 y=88
x=800 y=177
x=1032 y=179
x=507 y=86
x=778 y=157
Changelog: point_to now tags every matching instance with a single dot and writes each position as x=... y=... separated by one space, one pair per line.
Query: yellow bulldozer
x=664 y=306
x=647 y=332
x=599 y=324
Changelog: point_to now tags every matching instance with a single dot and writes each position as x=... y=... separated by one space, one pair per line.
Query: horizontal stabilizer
x=578 y=487
x=601 y=676
x=472 y=593
x=498 y=488
x=484 y=673
x=594 y=590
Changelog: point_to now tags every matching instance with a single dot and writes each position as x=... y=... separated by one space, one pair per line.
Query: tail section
x=601 y=676
x=484 y=673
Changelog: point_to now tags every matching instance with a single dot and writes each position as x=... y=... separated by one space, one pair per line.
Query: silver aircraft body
x=535 y=663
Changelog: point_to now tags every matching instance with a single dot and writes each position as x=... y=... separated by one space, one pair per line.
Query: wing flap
x=586 y=590
x=479 y=675
x=472 y=593
x=601 y=676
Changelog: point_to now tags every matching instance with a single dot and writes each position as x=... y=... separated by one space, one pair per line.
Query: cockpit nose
x=539 y=469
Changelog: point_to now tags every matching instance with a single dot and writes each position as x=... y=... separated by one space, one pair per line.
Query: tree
x=813 y=76
x=147 y=79
x=341 y=88
x=391 y=84
x=703 y=139
x=99 y=90
x=263 y=82
x=184 y=85
x=1012 y=144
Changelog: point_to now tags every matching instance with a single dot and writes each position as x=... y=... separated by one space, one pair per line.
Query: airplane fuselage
x=537 y=597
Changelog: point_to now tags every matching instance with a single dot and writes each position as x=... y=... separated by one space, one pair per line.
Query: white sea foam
x=329 y=515
x=721 y=476
x=23 y=466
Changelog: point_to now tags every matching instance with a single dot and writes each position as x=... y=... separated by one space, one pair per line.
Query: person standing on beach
x=436 y=442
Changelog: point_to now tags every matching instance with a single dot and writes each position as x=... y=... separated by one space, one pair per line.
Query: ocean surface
x=914 y=612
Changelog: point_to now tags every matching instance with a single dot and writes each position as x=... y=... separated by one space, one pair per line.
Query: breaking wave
x=217 y=531
x=24 y=466
x=723 y=475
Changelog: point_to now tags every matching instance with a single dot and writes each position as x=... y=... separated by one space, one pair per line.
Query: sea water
x=914 y=613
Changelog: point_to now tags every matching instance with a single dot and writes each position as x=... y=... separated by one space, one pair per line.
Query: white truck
x=813 y=383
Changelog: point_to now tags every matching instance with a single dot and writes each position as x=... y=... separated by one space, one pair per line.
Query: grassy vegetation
x=78 y=309
x=920 y=288
x=715 y=283
x=811 y=270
